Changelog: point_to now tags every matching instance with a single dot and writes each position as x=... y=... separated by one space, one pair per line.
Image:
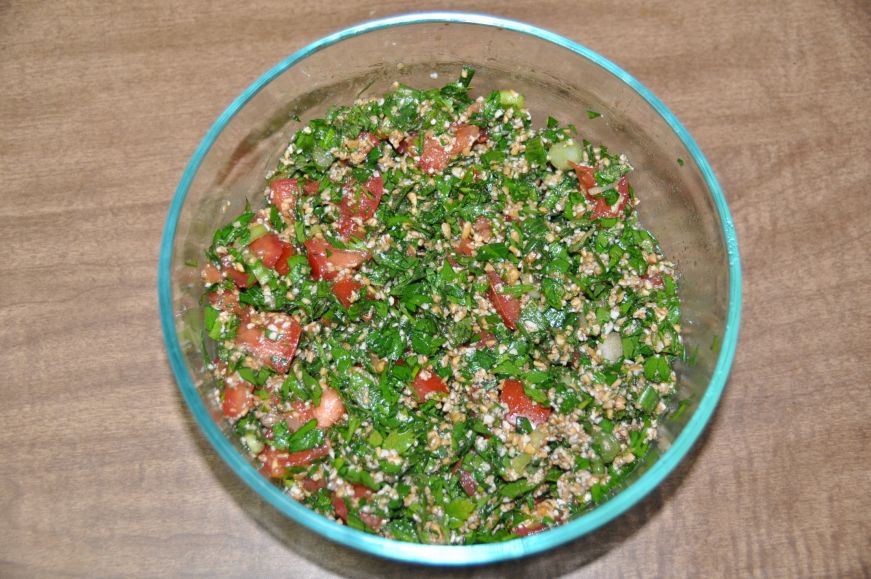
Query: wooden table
x=103 y=472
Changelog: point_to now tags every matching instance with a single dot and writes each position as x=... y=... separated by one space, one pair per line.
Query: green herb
x=437 y=467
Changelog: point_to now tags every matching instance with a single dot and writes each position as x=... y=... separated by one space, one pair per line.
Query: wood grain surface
x=102 y=472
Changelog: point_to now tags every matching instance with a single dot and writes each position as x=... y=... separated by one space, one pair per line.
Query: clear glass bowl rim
x=452 y=554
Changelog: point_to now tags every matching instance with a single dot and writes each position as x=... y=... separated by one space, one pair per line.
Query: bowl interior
x=680 y=203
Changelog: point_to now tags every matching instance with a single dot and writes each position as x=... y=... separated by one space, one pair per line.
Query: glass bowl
x=681 y=203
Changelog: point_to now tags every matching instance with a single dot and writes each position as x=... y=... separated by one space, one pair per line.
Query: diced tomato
x=655 y=280
x=434 y=158
x=366 y=141
x=227 y=301
x=405 y=144
x=375 y=187
x=508 y=307
x=299 y=414
x=340 y=507
x=267 y=248
x=427 y=382
x=327 y=261
x=529 y=528
x=358 y=205
x=212 y=274
x=287 y=251
x=283 y=193
x=483 y=228
x=370 y=520
x=312 y=485
x=276 y=462
x=361 y=491
x=237 y=400
x=475 y=107
x=344 y=290
x=275 y=353
x=467 y=481
x=586 y=176
x=464 y=247
x=330 y=410
x=602 y=210
x=240 y=278
x=311 y=187
x=464 y=137
x=485 y=340
x=304 y=457
x=519 y=404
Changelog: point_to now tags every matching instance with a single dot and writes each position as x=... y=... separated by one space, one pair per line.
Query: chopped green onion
x=256 y=231
x=607 y=446
x=254 y=444
x=511 y=98
x=519 y=462
x=561 y=155
x=648 y=399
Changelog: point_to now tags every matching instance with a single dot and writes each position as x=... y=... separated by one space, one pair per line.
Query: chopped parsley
x=445 y=325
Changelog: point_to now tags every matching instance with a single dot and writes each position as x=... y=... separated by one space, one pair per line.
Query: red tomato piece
x=305 y=457
x=340 y=507
x=327 y=261
x=426 y=383
x=227 y=301
x=528 y=528
x=519 y=404
x=283 y=193
x=405 y=144
x=655 y=280
x=361 y=491
x=483 y=228
x=602 y=210
x=237 y=399
x=485 y=340
x=330 y=410
x=276 y=462
x=586 y=176
x=299 y=414
x=240 y=278
x=344 y=290
x=267 y=248
x=369 y=203
x=312 y=485
x=434 y=158
x=467 y=481
x=465 y=136
x=372 y=521
x=287 y=251
x=508 y=307
x=358 y=205
x=275 y=353
x=366 y=141
x=311 y=187
x=212 y=274
x=464 y=247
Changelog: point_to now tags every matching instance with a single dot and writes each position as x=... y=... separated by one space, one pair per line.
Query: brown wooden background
x=101 y=105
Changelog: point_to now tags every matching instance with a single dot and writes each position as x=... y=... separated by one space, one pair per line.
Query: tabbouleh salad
x=445 y=325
